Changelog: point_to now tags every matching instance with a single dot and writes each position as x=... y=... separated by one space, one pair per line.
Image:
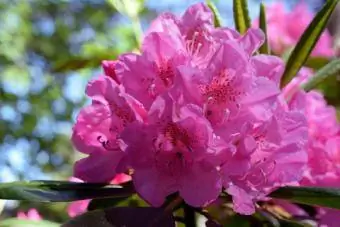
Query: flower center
x=165 y=73
x=123 y=114
x=173 y=154
x=221 y=90
x=199 y=46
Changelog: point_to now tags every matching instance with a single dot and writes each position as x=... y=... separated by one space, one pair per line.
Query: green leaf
x=131 y=201
x=217 y=16
x=14 y=222
x=57 y=191
x=264 y=49
x=124 y=216
x=241 y=15
x=325 y=197
x=331 y=69
x=238 y=221
x=316 y=63
x=307 y=42
x=78 y=62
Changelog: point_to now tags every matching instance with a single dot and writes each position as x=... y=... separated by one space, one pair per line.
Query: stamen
x=107 y=144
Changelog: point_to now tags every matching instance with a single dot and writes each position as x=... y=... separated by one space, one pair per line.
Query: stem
x=189 y=216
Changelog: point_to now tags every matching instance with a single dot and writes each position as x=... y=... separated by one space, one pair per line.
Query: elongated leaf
x=57 y=191
x=264 y=49
x=217 y=16
x=330 y=69
x=79 y=62
x=13 y=222
x=241 y=15
x=307 y=42
x=325 y=197
x=124 y=216
x=317 y=63
x=131 y=201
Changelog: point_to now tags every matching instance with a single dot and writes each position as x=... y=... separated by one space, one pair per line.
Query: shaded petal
x=92 y=126
x=201 y=185
x=242 y=201
x=252 y=40
x=98 y=167
x=197 y=15
x=152 y=186
x=267 y=66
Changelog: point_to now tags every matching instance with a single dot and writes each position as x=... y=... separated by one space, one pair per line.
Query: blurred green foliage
x=41 y=42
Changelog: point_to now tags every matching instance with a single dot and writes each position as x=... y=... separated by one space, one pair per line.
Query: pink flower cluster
x=323 y=167
x=286 y=27
x=196 y=112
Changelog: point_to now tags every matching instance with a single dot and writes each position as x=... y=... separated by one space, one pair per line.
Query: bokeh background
x=48 y=51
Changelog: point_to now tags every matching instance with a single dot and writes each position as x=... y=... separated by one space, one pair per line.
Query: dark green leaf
x=57 y=191
x=307 y=42
x=13 y=222
x=264 y=49
x=131 y=201
x=241 y=15
x=238 y=221
x=217 y=16
x=124 y=216
x=325 y=197
x=330 y=69
x=105 y=203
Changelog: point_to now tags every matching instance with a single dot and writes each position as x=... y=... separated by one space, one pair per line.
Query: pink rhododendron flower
x=286 y=27
x=272 y=154
x=31 y=214
x=98 y=127
x=109 y=69
x=323 y=145
x=323 y=129
x=172 y=154
x=193 y=112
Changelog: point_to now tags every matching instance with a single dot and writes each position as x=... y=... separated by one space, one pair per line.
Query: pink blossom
x=193 y=112
x=271 y=154
x=98 y=127
x=158 y=62
x=109 y=69
x=31 y=214
x=228 y=88
x=172 y=154
x=322 y=127
x=323 y=145
x=286 y=27
x=195 y=30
